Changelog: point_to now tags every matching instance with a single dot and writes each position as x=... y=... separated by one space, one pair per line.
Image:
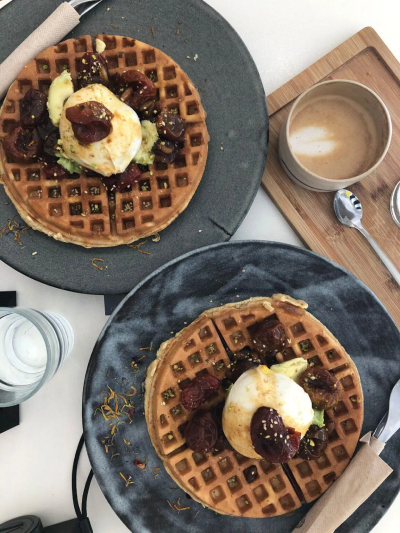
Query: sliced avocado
x=71 y=166
x=149 y=137
x=292 y=369
x=318 y=418
x=60 y=89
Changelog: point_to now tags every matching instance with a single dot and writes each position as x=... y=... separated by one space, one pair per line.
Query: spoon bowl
x=348 y=208
x=349 y=212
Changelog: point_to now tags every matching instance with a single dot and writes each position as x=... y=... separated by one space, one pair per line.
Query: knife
x=52 y=31
x=366 y=472
x=4 y=3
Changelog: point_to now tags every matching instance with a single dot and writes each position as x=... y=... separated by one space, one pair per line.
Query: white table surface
x=284 y=37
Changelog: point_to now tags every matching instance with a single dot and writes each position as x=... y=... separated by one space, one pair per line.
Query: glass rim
x=4 y=311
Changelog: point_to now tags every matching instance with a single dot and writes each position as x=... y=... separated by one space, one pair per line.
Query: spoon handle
x=385 y=260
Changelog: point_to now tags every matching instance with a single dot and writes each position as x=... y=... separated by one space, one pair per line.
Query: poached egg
x=112 y=154
x=261 y=387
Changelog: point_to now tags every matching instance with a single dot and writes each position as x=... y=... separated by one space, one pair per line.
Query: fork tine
x=83 y=6
x=395 y=204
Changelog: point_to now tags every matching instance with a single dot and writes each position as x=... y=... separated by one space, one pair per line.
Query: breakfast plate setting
x=334 y=298
x=189 y=82
x=244 y=384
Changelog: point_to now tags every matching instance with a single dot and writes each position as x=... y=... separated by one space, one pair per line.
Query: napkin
x=366 y=472
x=51 y=32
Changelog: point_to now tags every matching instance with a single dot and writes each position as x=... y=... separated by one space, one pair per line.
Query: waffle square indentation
x=287 y=502
x=54 y=192
x=217 y=494
x=208 y=475
x=62 y=64
x=225 y=465
x=244 y=503
x=323 y=462
x=349 y=426
x=234 y=484
x=55 y=210
x=131 y=59
x=304 y=469
x=163 y=183
x=149 y=56
x=277 y=483
x=178 y=367
x=269 y=510
x=297 y=329
x=332 y=355
x=181 y=180
x=169 y=73
x=347 y=383
x=75 y=209
x=340 y=453
x=97 y=226
x=183 y=466
x=313 y=488
x=260 y=493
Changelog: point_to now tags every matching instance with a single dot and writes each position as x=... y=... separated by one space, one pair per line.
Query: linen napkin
x=366 y=472
x=52 y=31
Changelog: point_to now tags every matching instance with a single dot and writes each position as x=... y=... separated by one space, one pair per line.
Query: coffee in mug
x=336 y=133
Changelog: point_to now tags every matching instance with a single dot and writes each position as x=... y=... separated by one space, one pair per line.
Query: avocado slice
x=292 y=369
x=149 y=137
x=318 y=419
x=60 y=89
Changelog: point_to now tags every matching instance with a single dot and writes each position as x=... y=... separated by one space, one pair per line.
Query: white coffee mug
x=361 y=94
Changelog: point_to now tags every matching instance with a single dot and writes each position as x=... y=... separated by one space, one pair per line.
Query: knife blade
x=3 y=3
x=390 y=423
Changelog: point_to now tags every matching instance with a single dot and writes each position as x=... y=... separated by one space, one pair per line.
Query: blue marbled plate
x=178 y=293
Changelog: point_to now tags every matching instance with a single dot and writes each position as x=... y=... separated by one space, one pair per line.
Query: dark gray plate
x=177 y=294
x=233 y=96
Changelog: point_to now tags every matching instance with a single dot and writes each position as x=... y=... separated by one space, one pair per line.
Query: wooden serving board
x=366 y=59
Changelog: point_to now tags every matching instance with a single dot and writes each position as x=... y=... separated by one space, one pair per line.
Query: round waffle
x=219 y=481
x=102 y=218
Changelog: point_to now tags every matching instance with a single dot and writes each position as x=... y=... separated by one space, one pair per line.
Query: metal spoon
x=395 y=204
x=349 y=212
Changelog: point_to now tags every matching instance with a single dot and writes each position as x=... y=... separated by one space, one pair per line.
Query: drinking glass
x=33 y=346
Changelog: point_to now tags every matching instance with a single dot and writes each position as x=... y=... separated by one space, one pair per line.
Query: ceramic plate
x=237 y=120
x=177 y=294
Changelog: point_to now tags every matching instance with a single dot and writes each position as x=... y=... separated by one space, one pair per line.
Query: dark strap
x=84 y=523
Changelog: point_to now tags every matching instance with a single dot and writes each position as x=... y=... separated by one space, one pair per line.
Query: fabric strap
x=52 y=31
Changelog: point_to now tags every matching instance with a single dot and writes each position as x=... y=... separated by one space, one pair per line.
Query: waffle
x=107 y=219
x=218 y=481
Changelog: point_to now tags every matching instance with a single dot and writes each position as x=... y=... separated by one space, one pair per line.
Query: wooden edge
x=327 y=64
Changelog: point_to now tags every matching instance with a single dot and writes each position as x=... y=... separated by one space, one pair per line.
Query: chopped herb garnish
x=97 y=259
x=168 y=394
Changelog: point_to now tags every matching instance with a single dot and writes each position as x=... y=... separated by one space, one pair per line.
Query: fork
x=83 y=6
